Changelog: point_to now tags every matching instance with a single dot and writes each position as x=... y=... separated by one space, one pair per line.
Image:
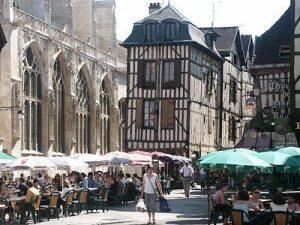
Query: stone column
x=114 y=123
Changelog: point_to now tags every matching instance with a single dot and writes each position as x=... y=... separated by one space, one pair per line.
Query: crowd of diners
x=31 y=187
x=252 y=204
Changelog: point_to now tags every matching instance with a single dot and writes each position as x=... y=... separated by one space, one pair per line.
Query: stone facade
x=73 y=88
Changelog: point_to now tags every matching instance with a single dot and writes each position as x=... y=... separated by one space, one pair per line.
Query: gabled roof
x=267 y=46
x=168 y=12
x=246 y=41
x=187 y=31
x=227 y=37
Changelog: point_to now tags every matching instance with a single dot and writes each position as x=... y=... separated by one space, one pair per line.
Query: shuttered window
x=149 y=114
x=233 y=91
x=139 y=113
x=147 y=71
x=232 y=128
x=150 y=32
x=169 y=74
x=167 y=114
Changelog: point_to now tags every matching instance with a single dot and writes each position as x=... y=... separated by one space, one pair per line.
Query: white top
x=275 y=207
x=187 y=171
x=147 y=185
x=64 y=192
x=243 y=206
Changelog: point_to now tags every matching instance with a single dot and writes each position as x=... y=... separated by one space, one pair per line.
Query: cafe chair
x=237 y=217
x=82 y=201
x=52 y=206
x=213 y=211
x=101 y=199
x=280 y=217
x=35 y=211
x=69 y=202
x=3 y=208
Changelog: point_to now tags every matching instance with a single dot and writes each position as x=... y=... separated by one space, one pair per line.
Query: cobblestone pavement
x=190 y=211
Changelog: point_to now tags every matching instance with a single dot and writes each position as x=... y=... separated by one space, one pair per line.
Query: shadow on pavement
x=190 y=222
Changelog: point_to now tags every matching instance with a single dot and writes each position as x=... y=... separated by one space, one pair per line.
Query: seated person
x=254 y=199
x=30 y=202
x=3 y=190
x=22 y=186
x=221 y=204
x=66 y=189
x=292 y=204
x=243 y=203
x=278 y=202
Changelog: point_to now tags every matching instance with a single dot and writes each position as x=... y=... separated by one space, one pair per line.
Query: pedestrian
x=149 y=190
x=187 y=173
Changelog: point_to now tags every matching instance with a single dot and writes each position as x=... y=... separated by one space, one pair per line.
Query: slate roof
x=227 y=37
x=268 y=44
x=168 y=12
x=187 y=33
x=246 y=42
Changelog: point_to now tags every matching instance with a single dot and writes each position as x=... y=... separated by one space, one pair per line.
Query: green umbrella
x=290 y=151
x=242 y=150
x=234 y=160
x=5 y=156
x=281 y=161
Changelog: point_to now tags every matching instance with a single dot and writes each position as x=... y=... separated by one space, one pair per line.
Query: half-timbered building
x=271 y=67
x=235 y=80
x=174 y=75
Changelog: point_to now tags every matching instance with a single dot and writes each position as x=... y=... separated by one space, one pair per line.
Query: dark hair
x=22 y=179
x=278 y=198
x=29 y=183
x=254 y=188
x=149 y=167
x=90 y=174
x=243 y=195
x=224 y=184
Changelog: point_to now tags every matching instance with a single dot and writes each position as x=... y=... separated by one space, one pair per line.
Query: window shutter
x=167 y=114
x=171 y=113
x=141 y=73
x=177 y=73
x=139 y=113
x=164 y=114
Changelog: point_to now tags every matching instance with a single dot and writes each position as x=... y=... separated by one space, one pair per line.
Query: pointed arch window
x=58 y=108
x=32 y=92
x=104 y=118
x=82 y=114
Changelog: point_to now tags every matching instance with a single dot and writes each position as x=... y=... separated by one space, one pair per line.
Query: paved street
x=184 y=211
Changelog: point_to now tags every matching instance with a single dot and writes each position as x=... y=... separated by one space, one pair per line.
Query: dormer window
x=150 y=32
x=284 y=51
x=170 y=31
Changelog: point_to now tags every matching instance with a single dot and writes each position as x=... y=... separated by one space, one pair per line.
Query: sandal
x=153 y=222
x=149 y=222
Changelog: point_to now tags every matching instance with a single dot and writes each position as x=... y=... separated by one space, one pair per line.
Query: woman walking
x=149 y=190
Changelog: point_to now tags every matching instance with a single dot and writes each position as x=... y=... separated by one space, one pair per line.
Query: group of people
x=247 y=201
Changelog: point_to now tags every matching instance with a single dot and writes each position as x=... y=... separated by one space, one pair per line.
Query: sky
x=252 y=16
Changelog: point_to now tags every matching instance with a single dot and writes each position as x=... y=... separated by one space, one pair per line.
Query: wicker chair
x=82 y=200
x=69 y=202
x=52 y=206
x=3 y=208
x=35 y=212
x=213 y=211
x=237 y=216
x=101 y=199
x=280 y=217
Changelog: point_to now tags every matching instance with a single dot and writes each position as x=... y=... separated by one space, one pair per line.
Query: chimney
x=211 y=38
x=154 y=7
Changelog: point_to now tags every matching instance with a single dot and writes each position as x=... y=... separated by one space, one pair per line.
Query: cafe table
x=291 y=192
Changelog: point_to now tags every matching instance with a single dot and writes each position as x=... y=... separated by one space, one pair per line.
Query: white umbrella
x=90 y=159
x=117 y=158
x=141 y=159
x=69 y=164
x=31 y=162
